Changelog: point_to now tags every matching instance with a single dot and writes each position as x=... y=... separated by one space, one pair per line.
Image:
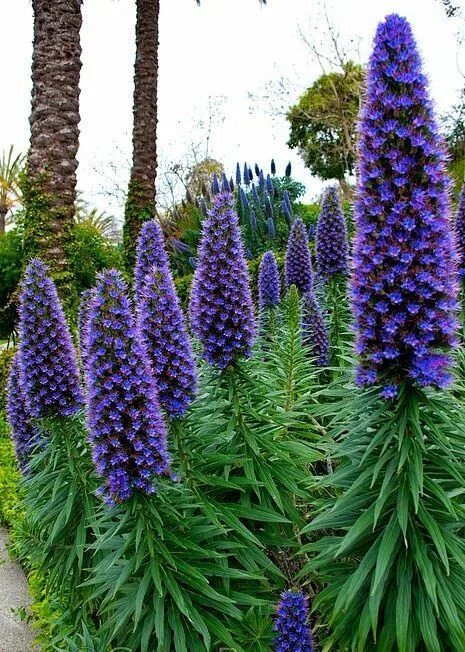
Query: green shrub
x=183 y=288
x=90 y=253
x=9 y=476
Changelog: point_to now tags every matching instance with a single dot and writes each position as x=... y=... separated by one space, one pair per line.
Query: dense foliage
x=245 y=478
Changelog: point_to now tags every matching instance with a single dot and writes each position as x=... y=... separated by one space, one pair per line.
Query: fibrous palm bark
x=50 y=185
x=140 y=204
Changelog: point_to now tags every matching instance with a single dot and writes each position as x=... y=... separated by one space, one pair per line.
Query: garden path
x=15 y=634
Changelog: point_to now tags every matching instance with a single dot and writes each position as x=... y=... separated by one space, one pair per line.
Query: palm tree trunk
x=3 y=212
x=140 y=204
x=50 y=185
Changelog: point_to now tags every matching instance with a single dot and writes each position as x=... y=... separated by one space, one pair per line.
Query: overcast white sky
x=227 y=48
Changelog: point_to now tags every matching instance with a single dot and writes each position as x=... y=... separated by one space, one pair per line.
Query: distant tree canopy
x=323 y=122
x=454 y=129
x=452 y=9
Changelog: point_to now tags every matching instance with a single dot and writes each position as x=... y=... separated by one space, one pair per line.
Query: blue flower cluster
x=298 y=264
x=161 y=324
x=460 y=231
x=127 y=432
x=83 y=324
x=149 y=254
x=314 y=331
x=49 y=371
x=269 y=286
x=221 y=309
x=404 y=280
x=25 y=434
x=293 y=632
x=332 y=245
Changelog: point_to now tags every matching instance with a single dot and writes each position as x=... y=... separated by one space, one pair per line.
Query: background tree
x=11 y=166
x=49 y=188
x=454 y=129
x=140 y=203
x=323 y=123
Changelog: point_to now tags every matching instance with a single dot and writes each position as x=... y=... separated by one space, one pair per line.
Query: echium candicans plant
x=314 y=332
x=149 y=254
x=83 y=323
x=49 y=371
x=24 y=432
x=129 y=445
x=460 y=232
x=269 y=294
x=293 y=632
x=332 y=259
x=269 y=285
x=332 y=246
x=58 y=489
x=162 y=326
x=221 y=309
x=394 y=574
x=298 y=264
x=404 y=281
x=126 y=429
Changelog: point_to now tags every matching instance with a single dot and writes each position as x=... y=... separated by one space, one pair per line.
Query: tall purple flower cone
x=149 y=253
x=404 y=280
x=83 y=323
x=460 y=232
x=293 y=631
x=25 y=434
x=161 y=324
x=332 y=245
x=49 y=371
x=221 y=309
x=127 y=431
x=298 y=264
x=314 y=332
x=269 y=286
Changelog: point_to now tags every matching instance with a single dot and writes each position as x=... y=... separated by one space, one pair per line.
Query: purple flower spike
x=298 y=266
x=221 y=304
x=269 y=287
x=83 y=322
x=215 y=185
x=247 y=176
x=332 y=246
x=293 y=632
x=460 y=231
x=161 y=323
x=149 y=254
x=49 y=371
x=404 y=281
x=225 y=183
x=127 y=432
x=314 y=332
x=238 y=174
x=25 y=434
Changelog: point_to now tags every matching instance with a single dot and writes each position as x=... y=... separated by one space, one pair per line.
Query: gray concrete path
x=15 y=634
